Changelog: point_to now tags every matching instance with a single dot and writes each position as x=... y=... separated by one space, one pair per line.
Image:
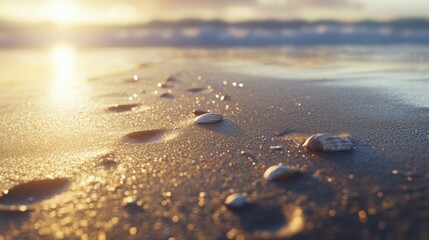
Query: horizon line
x=4 y=22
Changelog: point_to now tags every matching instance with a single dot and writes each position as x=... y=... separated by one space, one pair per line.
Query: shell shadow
x=18 y=217
x=254 y=217
x=334 y=156
x=225 y=127
x=308 y=185
x=363 y=162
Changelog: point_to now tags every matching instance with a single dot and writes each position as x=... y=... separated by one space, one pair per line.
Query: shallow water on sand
x=400 y=70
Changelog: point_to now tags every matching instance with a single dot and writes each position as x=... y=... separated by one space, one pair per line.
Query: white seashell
x=328 y=143
x=208 y=118
x=279 y=172
x=277 y=148
x=235 y=200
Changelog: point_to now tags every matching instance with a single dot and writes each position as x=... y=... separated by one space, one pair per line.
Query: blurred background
x=95 y=23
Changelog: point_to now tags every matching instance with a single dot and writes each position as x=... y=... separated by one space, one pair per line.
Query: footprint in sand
x=281 y=229
x=149 y=136
x=126 y=107
x=33 y=192
x=167 y=95
x=200 y=90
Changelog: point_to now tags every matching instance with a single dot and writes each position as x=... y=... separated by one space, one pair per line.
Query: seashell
x=208 y=118
x=235 y=200
x=279 y=172
x=277 y=148
x=198 y=112
x=328 y=143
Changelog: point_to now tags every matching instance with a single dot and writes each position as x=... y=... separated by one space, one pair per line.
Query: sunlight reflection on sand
x=65 y=78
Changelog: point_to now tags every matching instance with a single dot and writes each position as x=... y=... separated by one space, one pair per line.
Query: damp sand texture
x=128 y=152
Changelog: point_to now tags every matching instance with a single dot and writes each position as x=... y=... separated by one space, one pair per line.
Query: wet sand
x=136 y=165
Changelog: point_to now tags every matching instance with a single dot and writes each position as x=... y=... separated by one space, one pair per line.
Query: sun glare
x=63 y=68
x=63 y=12
x=63 y=62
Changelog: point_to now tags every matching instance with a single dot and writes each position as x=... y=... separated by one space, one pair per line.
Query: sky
x=107 y=12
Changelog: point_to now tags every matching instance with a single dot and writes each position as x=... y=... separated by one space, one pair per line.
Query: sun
x=63 y=12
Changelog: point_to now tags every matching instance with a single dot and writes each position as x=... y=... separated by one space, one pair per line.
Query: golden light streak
x=64 y=75
x=63 y=64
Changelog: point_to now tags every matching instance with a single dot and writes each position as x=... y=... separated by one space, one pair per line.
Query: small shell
x=328 y=143
x=277 y=148
x=279 y=172
x=235 y=200
x=208 y=118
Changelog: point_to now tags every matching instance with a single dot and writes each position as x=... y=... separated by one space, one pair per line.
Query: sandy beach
x=69 y=125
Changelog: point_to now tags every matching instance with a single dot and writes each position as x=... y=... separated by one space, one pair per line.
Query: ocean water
x=400 y=71
x=219 y=33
